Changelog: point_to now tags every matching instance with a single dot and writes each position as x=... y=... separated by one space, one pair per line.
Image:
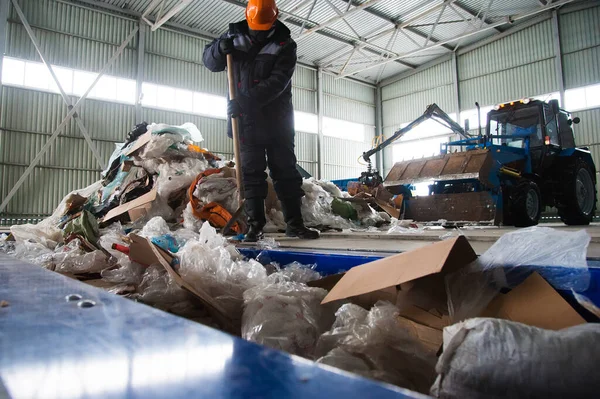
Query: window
x=417 y=149
x=582 y=97
x=305 y=122
x=473 y=118
x=35 y=75
x=343 y=129
x=551 y=129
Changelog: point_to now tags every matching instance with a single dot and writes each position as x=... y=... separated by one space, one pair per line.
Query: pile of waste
x=148 y=231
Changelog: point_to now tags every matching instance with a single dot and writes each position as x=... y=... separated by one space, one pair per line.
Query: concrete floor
x=480 y=238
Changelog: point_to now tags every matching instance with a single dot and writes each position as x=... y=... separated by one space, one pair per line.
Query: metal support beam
x=183 y=4
x=4 y=11
x=483 y=18
x=320 y=149
x=473 y=32
x=456 y=87
x=141 y=72
x=333 y=20
x=65 y=97
x=66 y=120
x=379 y=125
x=560 y=77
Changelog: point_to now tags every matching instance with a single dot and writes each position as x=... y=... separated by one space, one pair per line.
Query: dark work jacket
x=263 y=75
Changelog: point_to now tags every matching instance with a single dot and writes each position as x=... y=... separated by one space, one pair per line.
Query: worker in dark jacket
x=264 y=57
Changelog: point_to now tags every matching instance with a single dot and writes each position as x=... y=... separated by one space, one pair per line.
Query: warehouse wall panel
x=436 y=76
x=518 y=65
x=588 y=131
x=306 y=152
x=347 y=100
x=72 y=37
x=341 y=161
x=580 y=46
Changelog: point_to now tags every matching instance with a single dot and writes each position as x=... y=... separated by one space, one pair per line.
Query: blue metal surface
x=331 y=262
x=51 y=348
x=343 y=183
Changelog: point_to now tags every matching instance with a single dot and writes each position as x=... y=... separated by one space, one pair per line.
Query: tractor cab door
x=565 y=131
x=552 y=144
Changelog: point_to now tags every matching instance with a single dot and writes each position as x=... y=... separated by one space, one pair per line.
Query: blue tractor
x=526 y=160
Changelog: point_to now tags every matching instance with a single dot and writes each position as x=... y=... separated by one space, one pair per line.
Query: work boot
x=255 y=209
x=292 y=214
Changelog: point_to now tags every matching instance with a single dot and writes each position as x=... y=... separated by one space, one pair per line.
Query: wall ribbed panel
x=437 y=75
x=304 y=90
x=184 y=74
x=175 y=45
x=348 y=110
x=341 y=158
x=213 y=130
x=306 y=151
x=580 y=45
x=515 y=66
x=526 y=46
x=407 y=108
x=72 y=37
x=524 y=81
x=348 y=89
x=587 y=132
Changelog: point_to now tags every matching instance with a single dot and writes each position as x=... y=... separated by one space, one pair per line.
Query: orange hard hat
x=261 y=14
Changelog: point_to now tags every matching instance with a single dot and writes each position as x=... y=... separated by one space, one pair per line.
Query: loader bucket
x=475 y=164
x=455 y=207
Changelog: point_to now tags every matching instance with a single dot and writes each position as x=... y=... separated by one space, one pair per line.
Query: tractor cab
x=541 y=129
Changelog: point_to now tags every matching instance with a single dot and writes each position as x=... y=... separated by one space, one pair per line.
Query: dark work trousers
x=278 y=155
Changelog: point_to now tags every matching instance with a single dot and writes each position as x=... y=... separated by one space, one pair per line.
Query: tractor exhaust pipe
x=478 y=117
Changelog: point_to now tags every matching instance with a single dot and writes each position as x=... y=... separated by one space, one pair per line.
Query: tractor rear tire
x=576 y=203
x=526 y=204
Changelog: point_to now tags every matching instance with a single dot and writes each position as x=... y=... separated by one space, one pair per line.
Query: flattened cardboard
x=140 y=142
x=390 y=210
x=431 y=338
x=534 y=302
x=447 y=256
x=424 y=317
x=121 y=209
x=140 y=211
x=141 y=252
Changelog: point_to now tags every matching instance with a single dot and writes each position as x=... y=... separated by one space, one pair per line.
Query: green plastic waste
x=85 y=225
x=344 y=209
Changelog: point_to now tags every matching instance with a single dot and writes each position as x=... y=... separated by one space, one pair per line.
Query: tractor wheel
x=577 y=201
x=526 y=204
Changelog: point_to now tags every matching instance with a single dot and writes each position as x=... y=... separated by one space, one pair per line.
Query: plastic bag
x=7 y=247
x=494 y=358
x=187 y=131
x=220 y=189
x=316 y=207
x=404 y=227
x=126 y=271
x=267 y=243
x=295 y=272
x=155 y=227
x=85 y=225
x=390 y=349
x=48 y=236
x=285 y=316
x=191 y=222
x=175 y=176
x=72 y=259
x=34 y=252
x=560 y=255
x=213 y=265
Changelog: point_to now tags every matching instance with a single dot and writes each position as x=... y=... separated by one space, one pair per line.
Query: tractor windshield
x=512 y=126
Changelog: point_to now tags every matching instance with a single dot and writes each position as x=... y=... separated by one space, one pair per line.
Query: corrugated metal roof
x=213 y=16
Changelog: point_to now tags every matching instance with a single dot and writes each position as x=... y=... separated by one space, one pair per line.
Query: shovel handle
x=235 y=131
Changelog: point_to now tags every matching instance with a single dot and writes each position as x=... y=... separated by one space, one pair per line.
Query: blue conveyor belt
x=51 y=348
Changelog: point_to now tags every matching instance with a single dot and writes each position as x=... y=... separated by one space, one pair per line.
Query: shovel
x=236 y=149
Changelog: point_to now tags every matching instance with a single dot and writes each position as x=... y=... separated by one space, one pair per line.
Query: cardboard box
x=140 y=251
x=136 y=203
x=416 y=275
x=536 y=303
x=140 y=142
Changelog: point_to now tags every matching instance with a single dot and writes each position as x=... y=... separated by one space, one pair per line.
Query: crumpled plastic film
x=295 y=272
x=191 y=222
x=285 y=316
x=316 y=207
x=155 y=227
x=34 y=252
x=48 y=236
x=220 y=189
x=215 y=266
x=175 y=176
x=126 y=271
x=159 y=144
x=560 y=256
x=7 y=247
x=158 y=289
x=187 y=131
x=494 y=358
x=72 y=259
x=392 y=352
